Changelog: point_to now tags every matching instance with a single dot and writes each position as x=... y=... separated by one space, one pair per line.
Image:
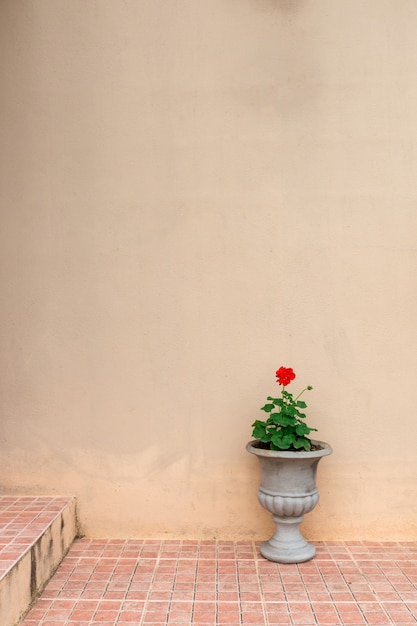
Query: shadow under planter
x=288 y=490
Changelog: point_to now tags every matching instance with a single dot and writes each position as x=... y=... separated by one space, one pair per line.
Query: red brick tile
x=133 y=616
x=329 y=618
x=82 y=614
x=228 y=617
x=377 y=618
x=152 y=617
x=279 y=620
x=106 y=615
x=352 y=618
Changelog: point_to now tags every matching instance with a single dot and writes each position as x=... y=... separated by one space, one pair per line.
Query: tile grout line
x=151 y=583
x=238 y=586
x=198 y=560
x=261 y=592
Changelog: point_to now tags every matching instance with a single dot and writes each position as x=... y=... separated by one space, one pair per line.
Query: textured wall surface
x=194 y=193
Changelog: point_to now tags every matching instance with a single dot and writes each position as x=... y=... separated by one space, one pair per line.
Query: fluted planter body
x=288 y=490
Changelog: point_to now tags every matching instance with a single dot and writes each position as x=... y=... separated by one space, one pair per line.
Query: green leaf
x=268 y=408
x=280 y=419
x=259 y=431
x=302 y=429
x=274 y=418
x=301 y=404
x=303 y=443
x=276 y=440
x=289 y=410
x=288 y=441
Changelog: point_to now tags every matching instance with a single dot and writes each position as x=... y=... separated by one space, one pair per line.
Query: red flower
x=284 y=376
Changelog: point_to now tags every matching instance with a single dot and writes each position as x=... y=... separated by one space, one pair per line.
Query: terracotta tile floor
x=207 y=583
x=22 y=521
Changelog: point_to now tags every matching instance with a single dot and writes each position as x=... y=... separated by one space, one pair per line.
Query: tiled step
x=35 y=534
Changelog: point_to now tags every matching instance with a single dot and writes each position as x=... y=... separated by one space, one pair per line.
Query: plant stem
x=301 y=393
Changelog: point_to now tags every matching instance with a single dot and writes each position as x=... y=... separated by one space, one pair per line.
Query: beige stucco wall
x=195 y=192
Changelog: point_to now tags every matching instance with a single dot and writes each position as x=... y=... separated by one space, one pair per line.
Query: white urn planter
x=288 y=490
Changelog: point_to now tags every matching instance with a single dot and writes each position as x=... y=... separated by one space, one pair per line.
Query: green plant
x=284 y=429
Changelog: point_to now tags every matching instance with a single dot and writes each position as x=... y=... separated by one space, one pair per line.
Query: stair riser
x=29 y=575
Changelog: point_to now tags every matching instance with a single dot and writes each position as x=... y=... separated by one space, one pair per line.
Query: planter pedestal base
x=287 y=545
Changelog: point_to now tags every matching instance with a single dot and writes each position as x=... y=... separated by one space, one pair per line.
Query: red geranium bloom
x=285 y=375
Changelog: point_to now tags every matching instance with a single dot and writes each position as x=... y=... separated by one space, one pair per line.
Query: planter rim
x=290 y=454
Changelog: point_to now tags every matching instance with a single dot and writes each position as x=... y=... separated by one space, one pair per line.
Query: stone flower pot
x=288 y=490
